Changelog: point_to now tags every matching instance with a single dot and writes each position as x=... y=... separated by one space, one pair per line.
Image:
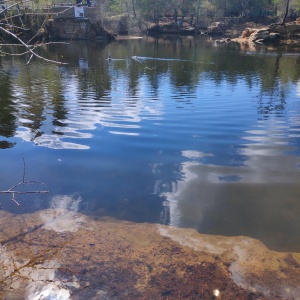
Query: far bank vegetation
x=25 y=22
x=133 y=16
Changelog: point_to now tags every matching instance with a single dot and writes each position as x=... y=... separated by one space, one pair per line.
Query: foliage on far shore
x=202 y=11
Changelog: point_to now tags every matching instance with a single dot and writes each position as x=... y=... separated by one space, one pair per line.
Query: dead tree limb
x=14 y=192
x=29 y=48
x=8 y=29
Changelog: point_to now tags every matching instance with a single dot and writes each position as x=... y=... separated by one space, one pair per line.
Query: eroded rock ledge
x=288 y=33
x=61 y=254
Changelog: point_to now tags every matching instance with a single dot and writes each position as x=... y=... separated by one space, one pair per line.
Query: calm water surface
x=191 y=134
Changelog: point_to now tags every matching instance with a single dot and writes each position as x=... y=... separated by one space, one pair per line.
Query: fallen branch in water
x=23 y=182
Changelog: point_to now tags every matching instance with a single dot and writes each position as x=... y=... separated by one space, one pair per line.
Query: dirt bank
x=66 y=255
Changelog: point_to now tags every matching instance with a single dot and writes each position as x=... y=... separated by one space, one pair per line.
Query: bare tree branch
x=26 y=192
x=23 y=182
x=30 y=50
x=14 y=26
x=8 y=28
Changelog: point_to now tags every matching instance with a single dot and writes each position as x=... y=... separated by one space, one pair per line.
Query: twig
x=36 y=14
x=73 y=35
x=14 y=26
x=30 y=50
x=45 y=20
x=26 y=45
x=29 y=59
x=14 y=4
x=35 y=45
x=13 y=199
x=32 y=46
x=25 y=192
x=14 y=54
x=23 y=182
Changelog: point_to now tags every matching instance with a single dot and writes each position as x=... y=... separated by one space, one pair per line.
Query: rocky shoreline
x=274 y=34
x=63 y=255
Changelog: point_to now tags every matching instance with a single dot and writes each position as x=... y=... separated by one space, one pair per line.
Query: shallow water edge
x=63 y=254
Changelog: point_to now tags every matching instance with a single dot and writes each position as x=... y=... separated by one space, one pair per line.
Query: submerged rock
x=66 y=255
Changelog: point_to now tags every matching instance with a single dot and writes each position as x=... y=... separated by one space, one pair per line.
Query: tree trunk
x=133 y=8
x=175 y=15
x=287 y=6
x=198 y=13
x=127 y=9
x=156 y=13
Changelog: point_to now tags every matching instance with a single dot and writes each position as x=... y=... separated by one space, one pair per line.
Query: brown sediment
x=70 y=256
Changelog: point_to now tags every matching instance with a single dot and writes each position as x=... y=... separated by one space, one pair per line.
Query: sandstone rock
x=288 y=33
x=247 y=32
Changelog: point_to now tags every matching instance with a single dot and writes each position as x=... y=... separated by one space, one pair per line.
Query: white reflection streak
x=44 y=284
x=63 y=217
x=193 y=154
x=47 y=140
x=298 y=89
x=266 y=160
x=123 y=112
x=178 y=199
x=203 y=186
x=123 y=133
x=66 y=202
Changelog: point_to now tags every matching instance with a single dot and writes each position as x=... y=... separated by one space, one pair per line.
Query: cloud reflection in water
x=63 y=217
x=45 y=285
x=258 y=199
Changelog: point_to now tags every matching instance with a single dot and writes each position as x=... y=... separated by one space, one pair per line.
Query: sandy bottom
x=60 y=254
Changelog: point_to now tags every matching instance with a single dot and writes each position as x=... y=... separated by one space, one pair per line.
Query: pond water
x=189 y=133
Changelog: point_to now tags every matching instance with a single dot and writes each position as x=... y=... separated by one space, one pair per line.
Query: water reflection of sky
x=218 y=145
x=259 y=198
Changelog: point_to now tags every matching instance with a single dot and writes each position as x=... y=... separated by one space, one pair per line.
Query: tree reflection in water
x=131 y=136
